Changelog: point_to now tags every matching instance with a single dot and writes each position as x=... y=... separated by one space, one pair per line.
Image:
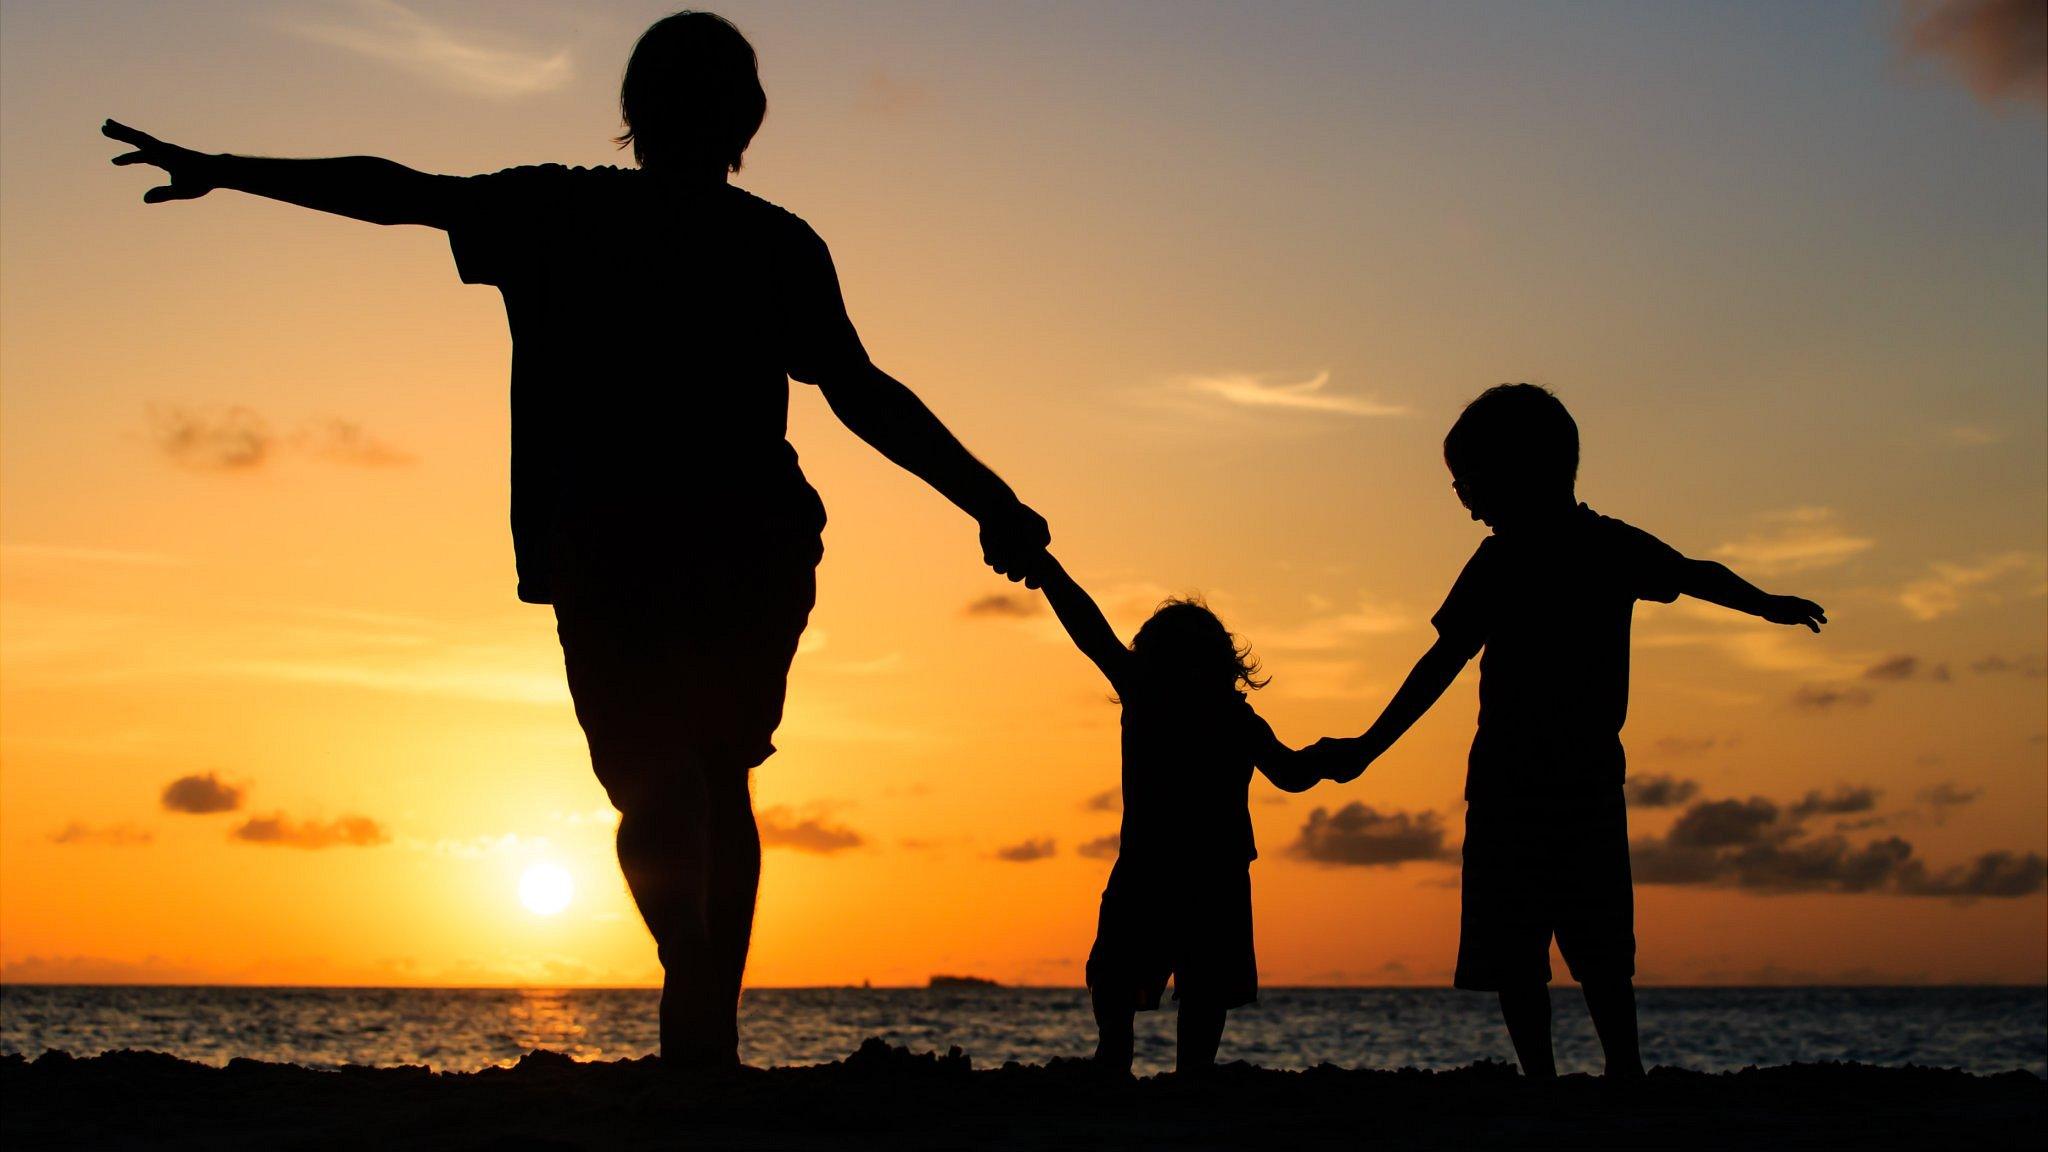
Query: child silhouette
x=1179 y=900
x=1548 y=596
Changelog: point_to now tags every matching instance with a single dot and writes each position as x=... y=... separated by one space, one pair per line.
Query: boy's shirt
x=1552 y=610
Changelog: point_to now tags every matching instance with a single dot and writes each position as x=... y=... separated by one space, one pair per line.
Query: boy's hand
x=188 y=170
x=1793 y=610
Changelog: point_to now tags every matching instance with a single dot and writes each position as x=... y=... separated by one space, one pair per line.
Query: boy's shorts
x=1536 y=871
x=1193 y=926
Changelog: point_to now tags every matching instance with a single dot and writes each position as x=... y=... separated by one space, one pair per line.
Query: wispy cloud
x=1249 y=390
x=1659 y=791
x=1102 y=847
x=396 y=35
x=279 y=830
x=1798 y=540
x=346 y=442
x=1027 y=851
x=112 y=835
x=1948 y=587
x=1825 y=697
x=1998 y=48
x=1004 y=605
x=239 y=439
x=783 y=828
x=1337 y=630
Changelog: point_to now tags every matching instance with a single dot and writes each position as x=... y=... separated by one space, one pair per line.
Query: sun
x=545 y=888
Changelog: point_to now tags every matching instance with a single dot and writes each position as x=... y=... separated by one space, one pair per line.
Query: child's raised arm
x=1716 y=584
x=1424 y=687
x=1084 y=621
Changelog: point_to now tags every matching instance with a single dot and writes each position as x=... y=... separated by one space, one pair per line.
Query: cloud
x=1727 y=823
x=1659 y=791
x=2031 y=666
x=346 y=442
x=1822 y=697
x=281 y=831
x=1356 y=834
x=781 y=828
x=1691 y=745
x=215 y=440
x=1107 y=800
x=1753 y=845
x=1802 y=539
x=1252 y=391
x=1893 y=668
x=1994 y=875
x=1025 y=851
x=1843 y=801
x=890 y=96
x=200 y=795
x=1951 y=586
x=1102 y=847
x=398 y=36
x=1972 y=435
x=1948 y=795
x=113 y=835
x=1336 y=631
x=1997 y=48
x=1004 y=605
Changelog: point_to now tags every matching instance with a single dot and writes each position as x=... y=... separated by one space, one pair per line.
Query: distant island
x=961 y=982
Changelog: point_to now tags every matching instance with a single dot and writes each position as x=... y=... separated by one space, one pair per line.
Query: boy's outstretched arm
x=359 y=187
x=1716 y=584
x=1083 y=621
x=1424 y=687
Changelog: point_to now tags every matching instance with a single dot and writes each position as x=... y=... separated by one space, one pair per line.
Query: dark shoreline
x=889 y=1097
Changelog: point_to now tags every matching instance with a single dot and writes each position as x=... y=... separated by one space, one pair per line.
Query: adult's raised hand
x=188 y=170
x=1013 y=543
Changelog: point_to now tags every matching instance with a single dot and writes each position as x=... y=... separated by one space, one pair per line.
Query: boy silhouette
x=657 y=315
x=1548 y=597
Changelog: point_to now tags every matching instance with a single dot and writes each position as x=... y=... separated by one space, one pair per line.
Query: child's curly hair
x=1183 y=636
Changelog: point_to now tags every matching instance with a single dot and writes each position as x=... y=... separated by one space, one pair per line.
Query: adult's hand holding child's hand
x=1013 y=543
x=1337 y=758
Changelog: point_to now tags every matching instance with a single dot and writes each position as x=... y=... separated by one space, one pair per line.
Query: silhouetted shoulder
x=1648 y=568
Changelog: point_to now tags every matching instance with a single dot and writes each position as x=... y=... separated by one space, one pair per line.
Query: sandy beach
x=889 y=1097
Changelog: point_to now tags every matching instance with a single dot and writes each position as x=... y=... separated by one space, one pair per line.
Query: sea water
x=1712 y=1029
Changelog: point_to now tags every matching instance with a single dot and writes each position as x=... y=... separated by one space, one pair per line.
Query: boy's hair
x=1520 y=431
x=1184 y=633
x=692 y=93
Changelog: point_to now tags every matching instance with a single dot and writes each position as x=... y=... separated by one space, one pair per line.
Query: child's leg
x=1526 y=1010
x=1612 y=1004
x=1113 y=1028
x=1199 y=1031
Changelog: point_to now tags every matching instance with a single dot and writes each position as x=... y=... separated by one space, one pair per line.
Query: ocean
x=1712 y=1029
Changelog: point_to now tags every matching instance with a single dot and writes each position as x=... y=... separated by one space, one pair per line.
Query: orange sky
x=1206 y=291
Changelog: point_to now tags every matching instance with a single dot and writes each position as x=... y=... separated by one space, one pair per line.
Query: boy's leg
x=1526 y=1010
x=1196 y=1036
x=735 y=882
x=1612 y=1004
x=1115 y=1028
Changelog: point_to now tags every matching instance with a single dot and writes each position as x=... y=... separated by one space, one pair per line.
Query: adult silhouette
x=657 y=314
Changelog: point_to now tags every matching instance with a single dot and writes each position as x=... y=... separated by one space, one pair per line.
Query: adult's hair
x=692 y=94
x=1520 y=432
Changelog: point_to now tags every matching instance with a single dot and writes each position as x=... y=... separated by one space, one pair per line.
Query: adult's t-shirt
x=655 y=326
x=1552 y=611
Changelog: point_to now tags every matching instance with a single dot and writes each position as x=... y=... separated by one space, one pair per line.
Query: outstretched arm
x=890 y=417
x=1424 y=687
x=359 y=187
x=1716 y=584
x=1084 y=621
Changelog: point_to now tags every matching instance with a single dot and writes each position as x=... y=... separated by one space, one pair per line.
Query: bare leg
x=1526 y=1010
x=1199 y=1031
x=1612 y=1004
x=1114 y=1030
x=734 y=885
x=665 y=851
